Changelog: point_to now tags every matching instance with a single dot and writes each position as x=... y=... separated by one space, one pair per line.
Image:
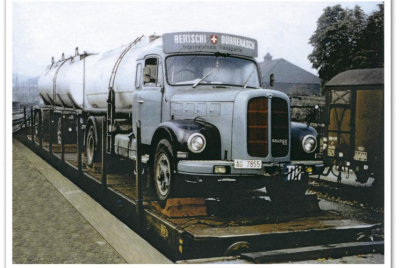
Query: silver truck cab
x=206 y=119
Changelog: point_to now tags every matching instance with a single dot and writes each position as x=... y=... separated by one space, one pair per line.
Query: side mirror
x=271 y=80
x=146 y=75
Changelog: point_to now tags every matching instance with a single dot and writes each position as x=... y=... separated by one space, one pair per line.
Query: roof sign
x=209 y=42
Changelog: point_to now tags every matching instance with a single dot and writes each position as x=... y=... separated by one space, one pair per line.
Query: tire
x=59 y=137
x=91 y=146
x=163 y=167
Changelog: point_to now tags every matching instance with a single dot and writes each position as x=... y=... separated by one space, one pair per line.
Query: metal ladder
x=111 y=106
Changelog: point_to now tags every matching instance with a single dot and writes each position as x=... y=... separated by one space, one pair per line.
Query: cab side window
x=152 y=73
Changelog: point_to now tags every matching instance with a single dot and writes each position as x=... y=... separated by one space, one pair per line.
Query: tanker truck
x=205 y=119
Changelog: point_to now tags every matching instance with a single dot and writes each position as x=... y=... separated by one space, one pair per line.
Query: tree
x=344 y=40
x=373 y=44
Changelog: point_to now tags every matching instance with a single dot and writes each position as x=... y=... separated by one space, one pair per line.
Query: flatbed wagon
x=239 y=227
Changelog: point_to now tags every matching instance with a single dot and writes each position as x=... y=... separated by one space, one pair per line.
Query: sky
x=41 y=30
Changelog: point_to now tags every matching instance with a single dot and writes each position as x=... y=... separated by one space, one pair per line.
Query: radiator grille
x=280 y=127
x=257 y=127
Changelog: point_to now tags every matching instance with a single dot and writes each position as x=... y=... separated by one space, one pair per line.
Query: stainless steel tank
x=82 y=81
x=62 y=83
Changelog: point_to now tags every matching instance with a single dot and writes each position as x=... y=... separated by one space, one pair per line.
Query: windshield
x=208 y=69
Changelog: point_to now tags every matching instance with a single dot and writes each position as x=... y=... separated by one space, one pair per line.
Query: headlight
x=309 y=143
x=196 y=143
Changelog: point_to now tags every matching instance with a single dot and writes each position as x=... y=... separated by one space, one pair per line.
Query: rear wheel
x=91 y=146
x=163 y=167
x=59 y=135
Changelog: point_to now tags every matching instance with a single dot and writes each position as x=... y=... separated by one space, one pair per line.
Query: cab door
x=148 y=97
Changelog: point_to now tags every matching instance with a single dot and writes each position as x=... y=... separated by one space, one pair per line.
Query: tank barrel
x=82 y=80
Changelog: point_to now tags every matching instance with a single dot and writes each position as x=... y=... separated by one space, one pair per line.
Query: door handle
x=140 y=101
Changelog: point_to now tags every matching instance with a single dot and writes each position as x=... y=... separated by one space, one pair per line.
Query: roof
x=358 y=77
x=286 y=72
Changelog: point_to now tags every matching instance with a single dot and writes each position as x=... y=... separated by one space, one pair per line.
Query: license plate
x=247 y=164
x=360 y=156
x=293 y=172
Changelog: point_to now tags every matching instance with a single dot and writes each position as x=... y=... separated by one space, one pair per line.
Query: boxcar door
x=339 y=129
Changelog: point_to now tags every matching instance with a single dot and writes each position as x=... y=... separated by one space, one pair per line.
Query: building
x=302 y=87
x=25 y=90
x=289 y=79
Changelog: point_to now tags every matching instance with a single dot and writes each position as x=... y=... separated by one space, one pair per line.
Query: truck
x=205 y=119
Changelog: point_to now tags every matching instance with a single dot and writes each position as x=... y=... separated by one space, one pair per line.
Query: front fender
x=298 y=132
x=178 y=131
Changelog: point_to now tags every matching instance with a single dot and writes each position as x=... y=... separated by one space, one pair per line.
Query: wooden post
x=138 y=180
x=63 y=139
x=32 y=128
x=79 y=147
x=104 y=156
x=51 y=131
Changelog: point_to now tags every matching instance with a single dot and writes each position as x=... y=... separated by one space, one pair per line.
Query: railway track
x=369 y=198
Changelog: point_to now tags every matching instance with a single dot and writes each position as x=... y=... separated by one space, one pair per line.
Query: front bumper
x=206 y=168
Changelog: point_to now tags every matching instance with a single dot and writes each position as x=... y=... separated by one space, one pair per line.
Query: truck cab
x=205 y=118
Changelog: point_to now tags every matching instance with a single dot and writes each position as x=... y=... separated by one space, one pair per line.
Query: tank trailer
x=204 y=117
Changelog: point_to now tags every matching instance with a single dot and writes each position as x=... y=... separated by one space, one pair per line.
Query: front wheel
x=163 y=167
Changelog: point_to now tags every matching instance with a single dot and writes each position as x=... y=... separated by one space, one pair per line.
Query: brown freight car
x=354 y=145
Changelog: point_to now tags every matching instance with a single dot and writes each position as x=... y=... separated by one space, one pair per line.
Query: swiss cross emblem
x=214 y=39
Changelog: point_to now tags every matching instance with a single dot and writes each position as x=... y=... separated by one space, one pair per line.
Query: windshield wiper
x=202 y=79
x=248 y=78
